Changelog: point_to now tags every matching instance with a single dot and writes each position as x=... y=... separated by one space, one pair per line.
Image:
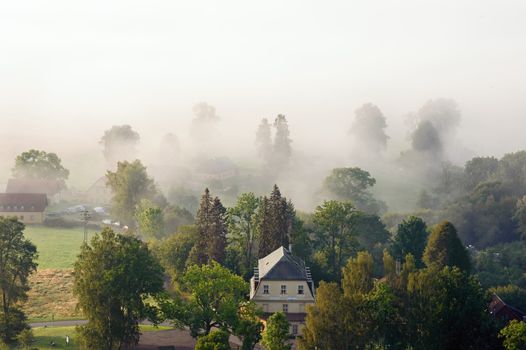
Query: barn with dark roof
x=27 y=207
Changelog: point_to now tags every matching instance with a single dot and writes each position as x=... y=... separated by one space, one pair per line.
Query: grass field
x=51 y=296
x=51 y=293
x=57 y=247
x=44 y=337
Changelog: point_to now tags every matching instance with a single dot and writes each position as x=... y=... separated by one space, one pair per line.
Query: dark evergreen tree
x=275 y=222
x=211 y=232
x=198 y=254
x=217 y=234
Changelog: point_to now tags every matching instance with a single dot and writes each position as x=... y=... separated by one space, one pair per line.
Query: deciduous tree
x=38 y=164
x=17 y=262
x=114 y=276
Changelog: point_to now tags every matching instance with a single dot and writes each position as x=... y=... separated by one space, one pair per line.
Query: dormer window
x=300 y=289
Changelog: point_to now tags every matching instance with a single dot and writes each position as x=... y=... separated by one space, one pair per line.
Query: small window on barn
x=300 y=289
x=283 y=289
x=265 y=289
x=285 y=308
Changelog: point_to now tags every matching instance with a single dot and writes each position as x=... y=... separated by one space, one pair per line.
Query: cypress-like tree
x=217 y=234
x=444 y=248
x=276 y=217
x=211 y=232
x=198 y=254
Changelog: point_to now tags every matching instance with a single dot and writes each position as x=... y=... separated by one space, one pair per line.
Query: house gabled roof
x=281 y=265
x=26 y=185
x=23 y=202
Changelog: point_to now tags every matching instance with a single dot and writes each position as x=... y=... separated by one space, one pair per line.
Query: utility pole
x=85 y=216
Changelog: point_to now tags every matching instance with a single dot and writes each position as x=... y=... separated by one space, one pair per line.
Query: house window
x=285 y=308
x=265 y=289
x=300 y=289
x=295 y=329
x=283 y=289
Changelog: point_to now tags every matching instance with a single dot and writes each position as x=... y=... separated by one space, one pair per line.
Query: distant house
x=52 y=188
x=499 y=309
x=27 y=207
x=99 y=193
x=282 y=282
x=217 y=169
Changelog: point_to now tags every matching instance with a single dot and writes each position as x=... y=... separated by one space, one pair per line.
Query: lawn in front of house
x=44 y=336
x=57 y=248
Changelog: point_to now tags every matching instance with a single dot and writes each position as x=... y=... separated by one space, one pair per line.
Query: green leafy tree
x=514 y=335
x=336 y=236
x=248 y=327
x=444 y=248
x=119 y=143
x=276 y=334
x=448 y=310
x=325 y=321
x=114 y=276
x=129 y=184
x=17 y=262
x=38 y=164
x=214 y=297
x=150 y=219
x=353 y=184
x=242 y=224
x=215 y=340
x=411 y=238
x=174 y=250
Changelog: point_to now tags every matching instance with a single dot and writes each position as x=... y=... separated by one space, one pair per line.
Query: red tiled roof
x=23 y=202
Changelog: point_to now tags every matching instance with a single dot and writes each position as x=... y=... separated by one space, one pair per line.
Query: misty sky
x=69 y=69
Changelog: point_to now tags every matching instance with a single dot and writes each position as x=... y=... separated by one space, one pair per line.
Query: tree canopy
x=38 y=164
x=17 y=262
x=114 y=276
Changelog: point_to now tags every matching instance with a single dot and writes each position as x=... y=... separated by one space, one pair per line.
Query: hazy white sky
x=71 y=69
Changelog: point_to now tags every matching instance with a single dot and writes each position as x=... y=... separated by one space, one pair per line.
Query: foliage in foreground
x=113 y=278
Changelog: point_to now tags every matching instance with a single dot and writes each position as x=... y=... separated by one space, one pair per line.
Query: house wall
x=25 y=217
x=274 y=301
x=275 y=291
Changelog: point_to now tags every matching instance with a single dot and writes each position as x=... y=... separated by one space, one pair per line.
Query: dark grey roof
x=282 y=265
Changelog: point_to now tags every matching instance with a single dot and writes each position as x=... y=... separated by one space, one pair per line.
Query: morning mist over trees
x=279 y=175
